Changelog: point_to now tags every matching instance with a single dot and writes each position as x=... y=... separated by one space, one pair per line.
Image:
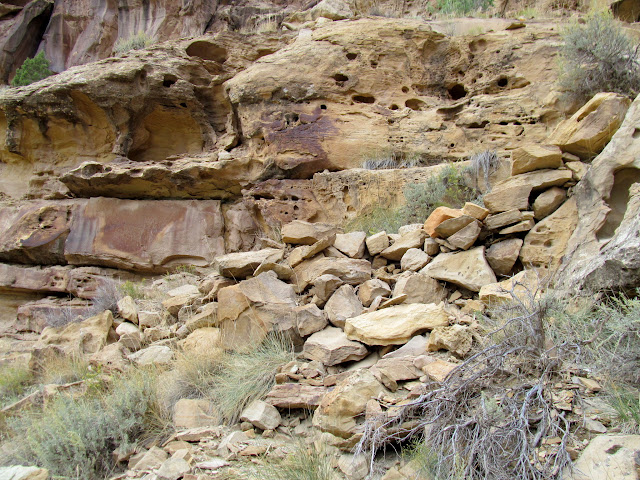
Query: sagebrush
x=598 y=57
x=463 y=7
x=136 y=42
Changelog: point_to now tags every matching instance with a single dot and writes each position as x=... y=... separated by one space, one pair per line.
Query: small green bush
x=463 y=7
x=626 y=403
x=136 y=42
x=304 y=463
x=132 y=289
x=598 y=57
x=32 y=70
x=14 y=381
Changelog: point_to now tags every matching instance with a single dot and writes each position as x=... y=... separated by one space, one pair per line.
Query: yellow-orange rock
x=438 y=216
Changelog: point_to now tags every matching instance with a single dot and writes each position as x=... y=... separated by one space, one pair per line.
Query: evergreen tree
x=32 y=70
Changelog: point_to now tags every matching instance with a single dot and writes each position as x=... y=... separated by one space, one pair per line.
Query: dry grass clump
x=135 y=42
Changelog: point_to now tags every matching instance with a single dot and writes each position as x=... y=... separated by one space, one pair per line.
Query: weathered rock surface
x=331 y=347
x=535 y=157
x=85 y=337
x=419 y=288
x=608 y=456
x=501 y=256
x=351 y=271
x=547 y=202
x=242 y=264
x=343 y=304
x=395 y=325
x=194 y=413
x=18 y=472
x=262 y=415
x=468 y=269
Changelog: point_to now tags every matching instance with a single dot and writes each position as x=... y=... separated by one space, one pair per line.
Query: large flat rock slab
x=146 y=235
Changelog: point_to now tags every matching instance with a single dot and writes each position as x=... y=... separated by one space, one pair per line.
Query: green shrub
x=75 y=437
x=32 y=70
x=136 y=42
x=598 y=57
x=303 y=463
x=463 y=7
x=379 y=219
x=131 y=289
x=626 y=403
x=248 y=375
x=14 y=381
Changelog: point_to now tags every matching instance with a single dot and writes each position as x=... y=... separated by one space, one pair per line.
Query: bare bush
x=489 y=417
x=598 y=57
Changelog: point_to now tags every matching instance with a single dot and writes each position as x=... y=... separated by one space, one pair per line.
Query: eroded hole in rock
x=405 y=89
x=374 y=64
x=636 y=133
x=478 y=45
x=618 y=200
x=183 y=105
x=503 y=82
x=352 y=56
x=207 y=51
x=457 y=91
x=323 y=107
x=363 y=98
x=394 y=107
x=415 y=104
x=169 y=80
x=338 y=77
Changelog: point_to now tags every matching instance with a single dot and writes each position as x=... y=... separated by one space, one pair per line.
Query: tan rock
x=343 y=304
x=332 y=347
x=522 y=287
x=184 y=290
x=536 y=181
x=349 y=270
x=475 y=211
x=351 y=244
x=205 y=340
x=535 y=157
x=253 y=307
x=299 y=232
x=546 y=243
x=523 y=226
x=243 y=264
x=194 y=413
x=506 y=198
x=339 y=408
x=296 y=395
x=607 y=456
x=419 y=288
x=174 y=468
x=579 y=169
x=548 y=201
x=261 y=415
x=174 y=304
x=413 y=348
x=455 y=339
x=149 y=319
x=152 y=458
x=112 y=358
x=413 y=239
x=377 y=243
x=391 y=370
x=354 y=467
x=206 y=316
x=309 y=319
x=438 y=216
x=414 y=259
x=437 y=369
x=211 y=285
x=85 y=337
x=371 y=289
x=128 y=310
x=452 y=225
x=502 y=256
x=284 y=272
x=468 y=269
x=499 y=220
x=589 y=130
x=129 y=336
x=464 y=238
x=325 y=285
x=18 y=472
x=159 y=355
x=303 y=252
x=431 y=247
x=395 y=325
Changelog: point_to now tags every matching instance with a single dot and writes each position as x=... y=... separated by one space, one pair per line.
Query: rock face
x=468 y=269
x=602 y=251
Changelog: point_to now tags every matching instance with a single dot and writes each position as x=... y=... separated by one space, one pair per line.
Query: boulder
x=212 y=283
x=431 y=247
x=354 y=467
x=325 y=285
x=84 y=337
x=205 y=340
x=377 y=243
x=253 y=307
x=332 y=347
x=111 y=359
x=502 y=256
x=151 y=459
x=395 y=325
x=309 y=319
x=127 y=309
x=194 y=413
x=436 y=369
x=391 y=370
x=303 y=252
x=205 y=316
x=464 y=238
x=296 y=395
x=351 y=244
x=589 y=130
x=129 y=335
x=475 y=211
x=523 y=226
x=503 y=198
x=438 y=216
x=349 y=270
x=413 y=348
x=468 y=269
x=412 y=239
x=414 y=259
x=300 y=232
x=452 y=225
x=546 y=243
x=548 y=202
x=607 y=456
x=522 y=287
x=340 y=408
x=261 y=415
x=499 y=220
x=456 y=339
x=419 y=288
x=174 y=304
x=158 y=355
x=343 y=304
x=371 y=289
x=184 y=290
x=242 y=264
x=18 y=472
x=535 y=157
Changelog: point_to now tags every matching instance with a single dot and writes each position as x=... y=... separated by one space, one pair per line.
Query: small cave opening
x=352 y=56
x=323 y=107
x=207 y=51
x=169 y=79
x=415 y=104
x=363 y=98
x=405 y=89
x=457 y=91
x=503 y=82
x=394 y=107
x=338 y=77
